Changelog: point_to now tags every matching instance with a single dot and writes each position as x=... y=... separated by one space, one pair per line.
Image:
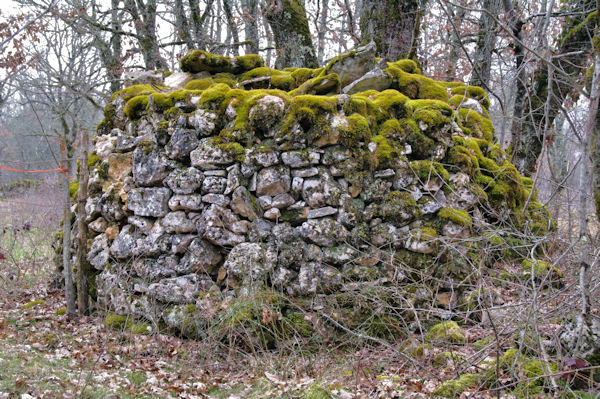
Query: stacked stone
x=185 y=202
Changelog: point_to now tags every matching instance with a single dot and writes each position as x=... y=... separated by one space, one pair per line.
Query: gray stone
x=260 y=230
x=266 y=115
x=375 y=79
x=181 y=144
x=216 y=172
x=93 y=208
x=150 y=165
x=321 y=212
x=184 y=181
x=149 y=201
x=99 y=225
x=282 y=201
x=321 y=191
x=141 y=224
x=214 y=185
x=335 y=154
x=339 y=255
x=208 y=155
x=180 y=242
x=177 y=222
x=183 y=289
x=420 y=242
x=351 y=66
x=245 y=204
x=151 y=269
x=98 y=254
x=218 y=199
x=203 y=121
x=250 y=263
x=316 y=278
x=258 y=156
x=273 y=180
x=213 y=226
x=191 y=202
x=143 y=77
x=384 y=174
x=298 y=159
x=272 y=214
x=123 y=246
x=308 y=172
x=234 y=179
x=200 y=257
x=324 y=232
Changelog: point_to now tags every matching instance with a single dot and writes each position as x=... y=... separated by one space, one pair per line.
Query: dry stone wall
x=231 y=177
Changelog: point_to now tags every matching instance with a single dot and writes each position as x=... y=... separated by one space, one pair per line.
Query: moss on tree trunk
x=288 y=22
x=393 y=25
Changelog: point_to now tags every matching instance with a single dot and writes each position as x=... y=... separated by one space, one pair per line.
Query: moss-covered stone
x=446 y=332
x=32 y=304
x=456 y=216
x=126 y=323
x=454 y=388
x=135 y=107
x=199 y=60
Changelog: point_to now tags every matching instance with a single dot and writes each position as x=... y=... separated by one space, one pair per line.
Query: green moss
x=454 y=388
x=214 y=95
x=474 y=92
x=426 y=170
x=199 y=60
x=446 y=331
x=540 y=270
x=321 y=85
x=408 y=66
x=248 y=62
x=133 y=91
x=199 y=84
x=60 y=312
x=93 y=160
x=119 y=322
x=456 y=216
x=395 y=205
x=73 y=188
x=135 y=107
x=31 y=304
x=431 y=112
x=301 y=75
x=416 y=86
x=316 y=392
x=356 y=131
x=235 y=149
x=477 y=124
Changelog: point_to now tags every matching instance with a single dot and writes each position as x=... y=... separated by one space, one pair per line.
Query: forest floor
x=44 y=355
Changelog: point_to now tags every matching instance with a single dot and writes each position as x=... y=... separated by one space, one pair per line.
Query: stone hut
x=231 y=177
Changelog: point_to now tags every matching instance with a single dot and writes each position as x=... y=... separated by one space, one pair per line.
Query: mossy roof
x=415 y=116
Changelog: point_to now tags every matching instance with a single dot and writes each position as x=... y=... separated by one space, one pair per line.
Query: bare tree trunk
x=183 y=28
x=322 y=29
x=232 y=26
x=144 y=20
x=251 y=25
x=547 y=93
x=289 y=25
x=393 y=25
x=454 y=41
x=83 y=271
x=66 y=238
x=486 y=42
